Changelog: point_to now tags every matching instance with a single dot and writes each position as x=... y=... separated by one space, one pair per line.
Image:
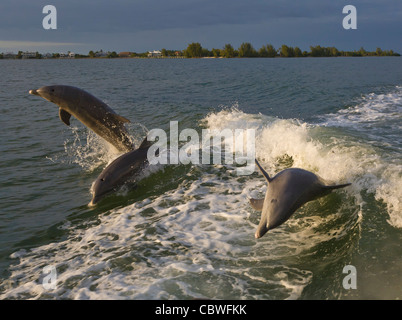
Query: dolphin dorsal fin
x=64 y=116
x=145 y=144
x=263 y=171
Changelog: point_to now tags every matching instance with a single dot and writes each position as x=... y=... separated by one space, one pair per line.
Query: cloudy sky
x=142 y=25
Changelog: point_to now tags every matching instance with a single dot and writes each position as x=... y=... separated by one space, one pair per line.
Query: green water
x=187 y=231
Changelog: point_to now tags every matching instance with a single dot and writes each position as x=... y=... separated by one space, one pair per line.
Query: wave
x=378 y=116
x=373 y=109
x=328 y=151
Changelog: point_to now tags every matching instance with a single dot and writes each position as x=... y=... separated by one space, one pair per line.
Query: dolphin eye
x=102 y=179
x=52 y=90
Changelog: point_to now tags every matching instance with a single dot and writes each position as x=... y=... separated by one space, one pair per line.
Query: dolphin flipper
x=257 y=204
x=64 y=116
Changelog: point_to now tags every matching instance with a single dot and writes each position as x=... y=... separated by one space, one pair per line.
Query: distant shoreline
x=180 y=58
x=195 y=50
x=185 y=58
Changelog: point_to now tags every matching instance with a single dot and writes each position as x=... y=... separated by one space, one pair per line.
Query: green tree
x=246 y=50
x=316 y=51
x=228 y=51
x=216 y=52
x=271 y=51
x=194 y=50
x=206 y=53
x=334 y=52
x=91 y=54
x=362 y=52
x=263 y=52
x=298 y=52
x=112 y=54
x=267 y=51
x=78 y=56
x=286 y=51
x=164 y=53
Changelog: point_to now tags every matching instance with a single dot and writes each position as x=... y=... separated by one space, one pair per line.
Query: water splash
x=336 y=157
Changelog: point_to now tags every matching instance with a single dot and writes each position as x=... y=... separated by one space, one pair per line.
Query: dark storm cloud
x=153 y=23
x=152 y=15
x=110 y=16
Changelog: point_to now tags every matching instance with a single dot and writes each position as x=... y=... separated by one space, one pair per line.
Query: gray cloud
x=121 y=24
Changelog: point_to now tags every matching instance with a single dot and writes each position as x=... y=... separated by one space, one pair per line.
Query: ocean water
x=187 y=231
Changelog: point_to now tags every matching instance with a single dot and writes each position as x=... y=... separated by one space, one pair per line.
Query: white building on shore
x=28 y=55
x=154 y=54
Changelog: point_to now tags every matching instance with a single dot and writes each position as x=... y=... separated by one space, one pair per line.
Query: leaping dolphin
x=91 y=111
x=123 y=169
x=287 y=191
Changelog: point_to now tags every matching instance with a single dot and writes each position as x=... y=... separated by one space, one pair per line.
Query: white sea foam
x=195 y=241
x=372 y=109
x=379 y=117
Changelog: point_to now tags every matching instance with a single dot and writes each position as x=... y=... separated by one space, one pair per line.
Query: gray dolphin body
x=123 y=169
x=287 y=191
x=91 y=111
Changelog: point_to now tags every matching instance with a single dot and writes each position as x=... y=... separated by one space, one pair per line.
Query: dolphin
x=287 y=191
x=91 y=111
x=123 y=169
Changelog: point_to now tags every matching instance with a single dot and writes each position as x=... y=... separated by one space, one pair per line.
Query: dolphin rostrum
x=91 y=111
x=123 y=169
x=287 y=191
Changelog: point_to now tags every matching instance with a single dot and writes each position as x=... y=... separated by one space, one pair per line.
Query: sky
x=146 y=25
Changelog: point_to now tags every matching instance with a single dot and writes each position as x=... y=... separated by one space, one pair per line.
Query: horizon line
x=36 y=44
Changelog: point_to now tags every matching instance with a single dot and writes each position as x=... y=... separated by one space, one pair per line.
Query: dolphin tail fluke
x=257 y=204
x=263 y=171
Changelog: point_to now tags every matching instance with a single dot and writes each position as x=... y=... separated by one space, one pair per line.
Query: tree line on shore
x=246 y=50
